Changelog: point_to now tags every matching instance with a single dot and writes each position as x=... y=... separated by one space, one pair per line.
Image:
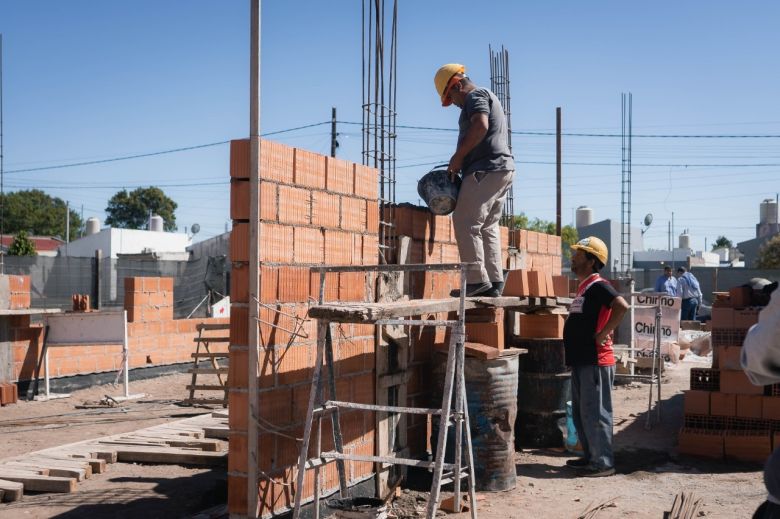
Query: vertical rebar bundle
x=379 y=111
x=499 y=84
x=625 y=184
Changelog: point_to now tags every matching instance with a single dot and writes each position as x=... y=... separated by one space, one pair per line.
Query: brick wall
x=726 y=415
x=314 y=210
x=154 y=337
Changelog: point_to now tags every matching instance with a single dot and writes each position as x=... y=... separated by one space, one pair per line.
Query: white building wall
x=127 y=241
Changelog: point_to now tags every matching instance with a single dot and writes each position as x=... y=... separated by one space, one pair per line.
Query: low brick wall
x=154 y=337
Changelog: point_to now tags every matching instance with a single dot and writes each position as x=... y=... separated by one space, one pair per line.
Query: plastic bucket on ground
x=439 y=192
x=572 y=440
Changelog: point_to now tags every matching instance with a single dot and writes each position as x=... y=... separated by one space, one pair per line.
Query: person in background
x=666 y=282
x=760 y=358
x=482 y=156
x=587 y=340
x=688 y=288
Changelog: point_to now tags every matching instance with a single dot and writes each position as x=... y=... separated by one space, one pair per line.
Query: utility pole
x=67 y=226
x=558 y=170
x=333 y=142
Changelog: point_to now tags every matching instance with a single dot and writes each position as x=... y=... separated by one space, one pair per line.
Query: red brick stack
x=726 y=415
x=14 y=292
x=149 y=299
x=314 y=210
x=539 y=251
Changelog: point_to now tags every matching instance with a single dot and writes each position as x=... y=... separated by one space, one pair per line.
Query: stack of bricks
x=725 y=414
x=536 y=283
x=149 y=299
x=14 y=292
x=538 y=251
x=313 y=210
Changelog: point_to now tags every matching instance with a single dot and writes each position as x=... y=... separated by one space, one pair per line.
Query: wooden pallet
x=193 y=441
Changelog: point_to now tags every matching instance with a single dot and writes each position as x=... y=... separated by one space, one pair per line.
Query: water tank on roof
x=768 y=212
x=685 y=240
x=93 y=226
x=156 y=223
x=584 y=216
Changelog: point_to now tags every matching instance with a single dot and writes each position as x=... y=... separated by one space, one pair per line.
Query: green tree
x=769 y=254
x=569 y=237
x=722 y=242
x=36 y=212
x=568 y=232
x=22 y=245
x=131 y=210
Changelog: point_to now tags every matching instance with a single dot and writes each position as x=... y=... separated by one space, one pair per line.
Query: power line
x=152 y=154
x=644 y=136
x=431 y=128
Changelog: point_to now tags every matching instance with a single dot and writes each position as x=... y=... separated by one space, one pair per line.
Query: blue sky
x=86 y=80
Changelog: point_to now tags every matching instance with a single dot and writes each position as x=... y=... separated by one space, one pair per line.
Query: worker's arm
x=619 y=307
x=474 y=135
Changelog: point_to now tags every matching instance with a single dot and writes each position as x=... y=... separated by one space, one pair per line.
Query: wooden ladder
x=452 y=413
x=202 y=343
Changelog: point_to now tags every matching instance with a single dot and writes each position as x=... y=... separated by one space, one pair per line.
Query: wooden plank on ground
x=59 y=471
x=220 y=433
x=5 y=469
x=175 y=456
x=102 y=452
x=12 y=490
x=96 y=465
x=204 y=445
x=39 y=483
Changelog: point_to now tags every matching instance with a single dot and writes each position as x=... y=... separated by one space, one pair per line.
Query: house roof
x=42 y=243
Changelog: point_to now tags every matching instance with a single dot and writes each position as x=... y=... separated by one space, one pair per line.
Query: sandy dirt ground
x=126 y=490
x=650 y=472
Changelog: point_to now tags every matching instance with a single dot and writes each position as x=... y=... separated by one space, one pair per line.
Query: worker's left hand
x=601 y=337
x=456 y=163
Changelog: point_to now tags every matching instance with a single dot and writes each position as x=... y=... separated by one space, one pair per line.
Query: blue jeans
x=689 y=306
x=591 y=400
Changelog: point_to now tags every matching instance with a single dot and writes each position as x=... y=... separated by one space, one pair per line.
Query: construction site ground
x=650 y=473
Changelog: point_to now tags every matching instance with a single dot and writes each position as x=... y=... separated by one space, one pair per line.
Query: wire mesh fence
x=54 y=280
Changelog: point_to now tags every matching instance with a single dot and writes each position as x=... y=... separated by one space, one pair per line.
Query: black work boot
x=473 y=289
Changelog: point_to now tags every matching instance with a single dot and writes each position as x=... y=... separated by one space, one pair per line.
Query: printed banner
x=644 y=322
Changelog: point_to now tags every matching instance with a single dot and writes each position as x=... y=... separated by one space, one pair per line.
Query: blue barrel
x=439 y=192
x=543 y=388
x=491 y=393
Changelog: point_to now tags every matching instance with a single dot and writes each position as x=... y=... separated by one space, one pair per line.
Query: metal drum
x=438 y=191
x=543 y=388
x=491 y=392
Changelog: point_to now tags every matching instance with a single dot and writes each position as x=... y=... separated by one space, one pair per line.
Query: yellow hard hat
x=442 y=80
x=593 y=245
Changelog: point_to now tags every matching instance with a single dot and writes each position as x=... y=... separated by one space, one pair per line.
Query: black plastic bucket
x=439 y=192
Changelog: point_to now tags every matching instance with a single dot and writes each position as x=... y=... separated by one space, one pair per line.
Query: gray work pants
x=591 y=405
x=475 y=221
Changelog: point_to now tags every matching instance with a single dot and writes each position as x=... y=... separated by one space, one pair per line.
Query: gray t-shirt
x=492 y=154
